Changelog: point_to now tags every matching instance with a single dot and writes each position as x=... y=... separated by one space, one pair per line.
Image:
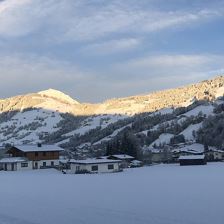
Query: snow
x=220 y=92
x=47 y=119
x=35 y=148
x=188 y=132
x=163 y=139
x=58 y=95
x=188 y=102
x=123 y=156
x=161 y=194
x=164 y=111
x=207 y=110
x=109 y=137
x=13 y=160
x=192 y=148
x=96 y=121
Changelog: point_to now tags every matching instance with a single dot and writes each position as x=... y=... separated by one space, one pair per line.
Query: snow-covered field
x=162 y=194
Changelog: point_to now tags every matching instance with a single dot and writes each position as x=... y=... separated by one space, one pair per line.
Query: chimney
x=39 y=145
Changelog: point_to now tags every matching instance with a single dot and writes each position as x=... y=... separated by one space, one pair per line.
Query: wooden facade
x=34 y=156
x=192 y=160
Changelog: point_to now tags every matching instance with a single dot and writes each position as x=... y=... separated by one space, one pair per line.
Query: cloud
x=157 y=72
x=173 y=63
x=44 y=43
x=26 y=73
x=61 y=21
x=112 y=46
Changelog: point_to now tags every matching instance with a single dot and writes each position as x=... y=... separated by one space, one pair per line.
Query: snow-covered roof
x=13 y=160
x=36 y=148
x=123 y=156
x=193 y=149
x=191 y=157
x=212 y=149
x=136 y=162
x=93 y=161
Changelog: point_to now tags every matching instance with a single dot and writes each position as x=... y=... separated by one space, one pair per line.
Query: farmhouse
x=124 y=158
x=24 y=157
x=192 y=160
x=95 y=166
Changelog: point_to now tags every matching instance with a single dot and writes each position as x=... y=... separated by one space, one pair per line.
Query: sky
x=94 y=50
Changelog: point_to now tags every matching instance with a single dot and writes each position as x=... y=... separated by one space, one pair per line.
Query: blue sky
x=99 y=49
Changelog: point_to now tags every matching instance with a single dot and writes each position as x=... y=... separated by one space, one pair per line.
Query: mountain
x=153 y=120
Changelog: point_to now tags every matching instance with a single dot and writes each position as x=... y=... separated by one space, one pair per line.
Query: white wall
x=30 y=167
x=102 y=168
x=48 y=163
x=18 y=165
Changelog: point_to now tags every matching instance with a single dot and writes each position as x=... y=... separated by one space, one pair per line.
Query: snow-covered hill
x=155 y=119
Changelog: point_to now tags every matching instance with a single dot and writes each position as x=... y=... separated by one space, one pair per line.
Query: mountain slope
x=51 y=116
x=56 y=100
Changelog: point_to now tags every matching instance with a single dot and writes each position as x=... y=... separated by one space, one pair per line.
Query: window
x=95 y=168
x=36 y=154
x=44 y=153
x=77 y=168
x=24 y=164
x=44 y=163
x=110 y=166
x=52 y=163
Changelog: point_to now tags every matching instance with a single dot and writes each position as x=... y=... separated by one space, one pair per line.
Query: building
x=214 y=154
x=136 y=163
x=95 y=166
x=192 y=160
x=124 y=158
x=185 y=150
x=15 y=163
x=23 y=157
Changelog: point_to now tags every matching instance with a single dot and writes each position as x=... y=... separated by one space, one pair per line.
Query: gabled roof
x=93 y=161
x=122 y=156
x=36 y=148
x=190 y=157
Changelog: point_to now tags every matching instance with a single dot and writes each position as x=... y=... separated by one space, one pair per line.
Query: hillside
x=153 y=120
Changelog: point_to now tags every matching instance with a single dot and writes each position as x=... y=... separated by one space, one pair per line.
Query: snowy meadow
x=161 y=194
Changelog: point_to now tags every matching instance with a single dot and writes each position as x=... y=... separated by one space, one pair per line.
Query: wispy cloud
x=27 y=73
x=62 y=20
x=52 y=39
x=162 y=71
x=111 y=46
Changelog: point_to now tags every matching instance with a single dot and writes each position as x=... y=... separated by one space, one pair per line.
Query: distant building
x=136 y=163
x=185 y=150
x=23 y=157
x=125 y=159
x=213 y=154
x=192 y=160
x=95 y=166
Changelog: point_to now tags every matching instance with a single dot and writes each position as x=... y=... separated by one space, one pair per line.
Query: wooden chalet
x=31 y=157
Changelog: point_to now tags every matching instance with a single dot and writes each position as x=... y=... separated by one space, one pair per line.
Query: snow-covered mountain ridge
x=154 y=119
x=56 y=100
